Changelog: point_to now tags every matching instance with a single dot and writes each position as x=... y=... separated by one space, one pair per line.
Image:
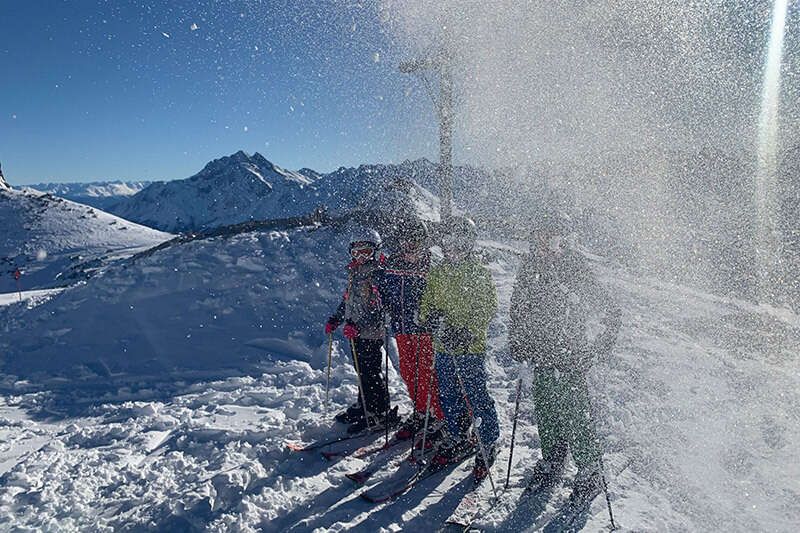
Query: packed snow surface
x=697 y=407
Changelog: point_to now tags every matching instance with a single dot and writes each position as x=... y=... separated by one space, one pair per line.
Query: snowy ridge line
x=318 y=218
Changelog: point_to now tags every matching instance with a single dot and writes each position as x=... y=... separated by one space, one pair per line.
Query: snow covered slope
x=55 y=241
x=202 y=305
x=100 y=194
x=698 y=406
x=227 y=191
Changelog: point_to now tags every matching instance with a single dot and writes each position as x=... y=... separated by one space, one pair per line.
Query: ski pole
x=358 y=379
x=476 y=423
x=513 y=432
x=605 y=490
x=432 y=369
x=386 y=382
x=328 y=379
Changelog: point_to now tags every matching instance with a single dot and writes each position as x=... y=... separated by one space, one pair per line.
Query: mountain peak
x=3 y=183
x=240 y=156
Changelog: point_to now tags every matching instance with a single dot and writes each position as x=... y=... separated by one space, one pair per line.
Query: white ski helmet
x=459 y=235
x=365 y=238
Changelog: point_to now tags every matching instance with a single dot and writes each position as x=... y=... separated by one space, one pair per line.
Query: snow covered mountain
x=227 y=191
x=57 y=242
x=99 y=194
x=192 y=364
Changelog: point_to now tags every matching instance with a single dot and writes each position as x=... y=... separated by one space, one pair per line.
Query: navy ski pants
x=472 y=369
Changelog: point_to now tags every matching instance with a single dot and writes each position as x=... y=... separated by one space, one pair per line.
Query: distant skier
x=362 y=312
x=401 y=285
x=459 y=301
x=554 y=297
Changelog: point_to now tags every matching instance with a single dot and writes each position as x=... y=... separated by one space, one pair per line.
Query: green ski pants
x=561 y=404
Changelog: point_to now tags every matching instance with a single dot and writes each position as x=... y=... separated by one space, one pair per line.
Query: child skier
x=460 y=301
x=362 y=312
x=401 y=285
x=554 y=295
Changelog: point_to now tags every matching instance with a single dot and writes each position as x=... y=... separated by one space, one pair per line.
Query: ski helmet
x=366 y=239
x=411 y=230
x=459 y=236
x=549 y=232
x=550 y=222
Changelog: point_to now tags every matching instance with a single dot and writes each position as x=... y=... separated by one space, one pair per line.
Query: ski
x=405 y=480
x=362 y=476
x=471 y=507
x=570 y=512
x=479 y=504
x=363 y=451
x=295 y=447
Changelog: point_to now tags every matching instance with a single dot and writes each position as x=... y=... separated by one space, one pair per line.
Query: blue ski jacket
x=401 y=285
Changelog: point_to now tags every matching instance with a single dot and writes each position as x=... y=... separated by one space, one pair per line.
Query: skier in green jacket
x=554 y=300
x=459 y=302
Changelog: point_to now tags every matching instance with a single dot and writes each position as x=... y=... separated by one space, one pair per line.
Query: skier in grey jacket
x=554 y=300
x=362 y=312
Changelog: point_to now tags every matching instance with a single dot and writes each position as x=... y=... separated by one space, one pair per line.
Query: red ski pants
x=416 y=366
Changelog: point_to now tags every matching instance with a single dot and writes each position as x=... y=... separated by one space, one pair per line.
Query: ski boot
x=410 y=427
x=374 y=421
x=545 y=475
x=587 y=485
x=451 y=449
x=350 y=415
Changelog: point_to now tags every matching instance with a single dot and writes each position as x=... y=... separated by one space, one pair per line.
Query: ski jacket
x=361 y=303
x=401 y=284
x=552 y=304
x=461 y=298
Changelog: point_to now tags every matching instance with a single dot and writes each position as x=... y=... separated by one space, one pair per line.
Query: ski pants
x=416 y=369
x=370 y=363
x=456 y=401
x=564 y=420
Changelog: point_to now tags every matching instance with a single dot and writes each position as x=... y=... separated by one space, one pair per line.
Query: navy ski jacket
x=401 y=285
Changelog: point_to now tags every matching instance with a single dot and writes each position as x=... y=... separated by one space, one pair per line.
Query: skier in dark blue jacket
x=401 y=285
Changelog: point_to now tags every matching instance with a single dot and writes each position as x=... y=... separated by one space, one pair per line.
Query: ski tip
x=293 y=446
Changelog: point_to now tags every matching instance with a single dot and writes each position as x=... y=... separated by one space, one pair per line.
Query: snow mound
x=56 y=242
x=228 y=301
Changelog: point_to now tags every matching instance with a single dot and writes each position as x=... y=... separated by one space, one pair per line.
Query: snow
x=57 y=242
x=100 y=194
x=35 y=297
x=697 y=407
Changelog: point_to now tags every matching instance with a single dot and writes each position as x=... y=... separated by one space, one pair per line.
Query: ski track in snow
x=697 y=409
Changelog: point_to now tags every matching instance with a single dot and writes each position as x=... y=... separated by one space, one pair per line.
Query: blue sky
x=129 y=90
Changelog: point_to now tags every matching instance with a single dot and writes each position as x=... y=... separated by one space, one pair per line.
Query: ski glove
x=331 y=326
x=456 y=339
x=350 y=331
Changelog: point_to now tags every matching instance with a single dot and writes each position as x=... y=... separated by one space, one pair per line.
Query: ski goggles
x=362 y=252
